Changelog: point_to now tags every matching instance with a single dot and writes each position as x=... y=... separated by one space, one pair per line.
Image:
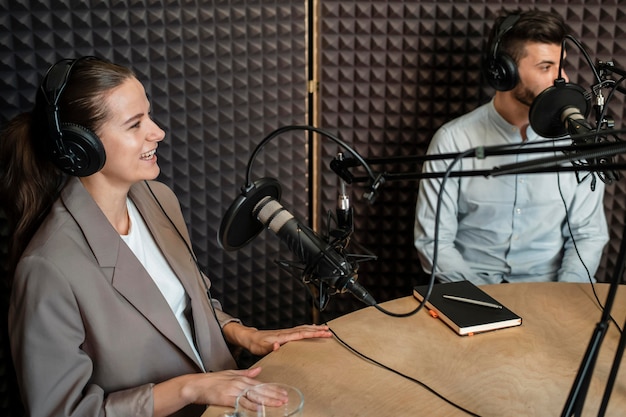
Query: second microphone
x=322 y=261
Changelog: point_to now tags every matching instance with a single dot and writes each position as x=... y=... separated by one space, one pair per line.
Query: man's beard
x=524 y=95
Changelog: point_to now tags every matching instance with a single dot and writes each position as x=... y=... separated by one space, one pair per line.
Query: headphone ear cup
x=84 y=153
x=502 y=73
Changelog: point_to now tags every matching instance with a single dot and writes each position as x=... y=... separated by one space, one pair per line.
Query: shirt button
x=518 y=211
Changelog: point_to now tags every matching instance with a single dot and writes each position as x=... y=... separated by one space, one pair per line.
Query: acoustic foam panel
x=220 y=75
x=393 y=72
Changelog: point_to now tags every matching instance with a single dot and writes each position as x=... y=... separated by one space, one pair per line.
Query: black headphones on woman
x=74 y=149
x=500 y=69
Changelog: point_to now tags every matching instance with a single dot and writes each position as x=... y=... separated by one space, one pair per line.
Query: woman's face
x=129 y=136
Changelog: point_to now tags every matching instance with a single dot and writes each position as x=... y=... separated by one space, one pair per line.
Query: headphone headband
x=52 y=87
x=506 y=25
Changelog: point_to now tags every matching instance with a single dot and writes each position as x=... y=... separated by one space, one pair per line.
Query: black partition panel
x=221 y=75
x=392 y=72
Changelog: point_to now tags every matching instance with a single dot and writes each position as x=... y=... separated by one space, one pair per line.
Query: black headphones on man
x=499 y=68
x=75 y=150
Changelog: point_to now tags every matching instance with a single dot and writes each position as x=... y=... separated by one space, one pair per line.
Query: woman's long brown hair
x=29 y=181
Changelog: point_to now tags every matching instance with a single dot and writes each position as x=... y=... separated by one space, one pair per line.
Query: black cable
x=569 y=228
x=582 y=50
x=431 y=281
x=284 y=129
x=410 y=378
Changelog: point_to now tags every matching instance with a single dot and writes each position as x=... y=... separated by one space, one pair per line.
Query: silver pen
x=471 y=301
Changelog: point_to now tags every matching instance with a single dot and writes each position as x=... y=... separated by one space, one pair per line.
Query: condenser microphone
x=574 y=121
x=344 y=210
x=562 y=109
x=322 y=261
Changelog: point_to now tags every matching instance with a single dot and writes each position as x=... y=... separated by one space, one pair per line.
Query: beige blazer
x=90 y=332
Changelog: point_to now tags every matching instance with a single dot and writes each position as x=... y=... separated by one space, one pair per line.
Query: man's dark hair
x=532 y=26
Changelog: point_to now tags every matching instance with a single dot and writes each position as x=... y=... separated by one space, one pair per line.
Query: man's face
x=538 y=68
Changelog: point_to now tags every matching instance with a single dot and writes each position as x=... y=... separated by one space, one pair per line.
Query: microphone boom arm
x=591 y=151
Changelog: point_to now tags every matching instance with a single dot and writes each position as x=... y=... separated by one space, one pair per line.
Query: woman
x=109 y=312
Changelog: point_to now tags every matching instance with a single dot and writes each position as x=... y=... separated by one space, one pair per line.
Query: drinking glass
x=269 y=400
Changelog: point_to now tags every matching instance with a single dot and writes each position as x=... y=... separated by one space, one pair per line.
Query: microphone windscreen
x=547 y=108
x=239 y=225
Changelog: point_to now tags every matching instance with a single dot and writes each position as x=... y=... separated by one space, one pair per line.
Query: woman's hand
x=262 y=342
x=211 y=388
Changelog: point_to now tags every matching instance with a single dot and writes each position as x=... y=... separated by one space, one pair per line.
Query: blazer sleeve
x=46 y=334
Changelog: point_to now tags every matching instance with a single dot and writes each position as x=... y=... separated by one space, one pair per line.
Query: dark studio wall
x=223 y=74
x=220 y=75
x=392 y=72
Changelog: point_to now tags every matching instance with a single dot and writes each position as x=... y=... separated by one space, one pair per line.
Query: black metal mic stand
x=590 y=151
x=619 y=353
x=578 y=393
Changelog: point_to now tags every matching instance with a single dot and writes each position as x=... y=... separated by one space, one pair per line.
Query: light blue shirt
x=509 y=227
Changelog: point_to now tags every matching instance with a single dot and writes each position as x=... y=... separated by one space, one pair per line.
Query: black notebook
x=466 y=308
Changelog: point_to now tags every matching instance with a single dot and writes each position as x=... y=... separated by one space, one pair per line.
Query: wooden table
x=521 y=371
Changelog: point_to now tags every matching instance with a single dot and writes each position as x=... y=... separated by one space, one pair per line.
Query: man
x=510 y=228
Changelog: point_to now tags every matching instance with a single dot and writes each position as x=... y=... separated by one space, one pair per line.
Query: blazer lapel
x=126 y=273
x=172 y=237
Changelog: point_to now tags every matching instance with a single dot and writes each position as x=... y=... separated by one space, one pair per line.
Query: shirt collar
x=511 y=131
